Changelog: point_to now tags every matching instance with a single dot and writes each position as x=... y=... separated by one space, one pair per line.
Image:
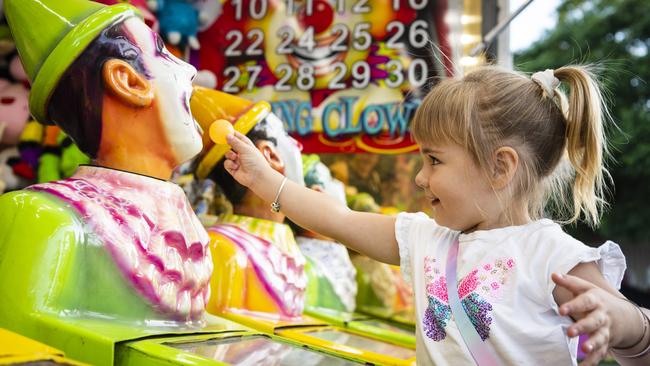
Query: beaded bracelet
x=646 y=349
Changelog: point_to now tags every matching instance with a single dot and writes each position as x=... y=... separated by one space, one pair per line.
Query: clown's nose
x=321 y=17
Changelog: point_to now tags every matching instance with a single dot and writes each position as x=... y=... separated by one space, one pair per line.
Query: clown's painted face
x=288 y=149
x=172 y=85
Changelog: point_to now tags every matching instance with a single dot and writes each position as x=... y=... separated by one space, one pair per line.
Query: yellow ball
x=219 y=129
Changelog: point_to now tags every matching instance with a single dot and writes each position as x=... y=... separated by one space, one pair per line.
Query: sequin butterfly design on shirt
x=474 y=290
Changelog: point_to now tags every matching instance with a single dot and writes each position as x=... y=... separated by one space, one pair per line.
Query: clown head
x=288 y=149
x=171 y=79
x=319 y=177
x=107 y=80
x=253 y=119
x=281 y=151
x=139 y=72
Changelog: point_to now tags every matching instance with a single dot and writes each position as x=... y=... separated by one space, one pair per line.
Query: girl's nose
x=420 y=181
x=321 y=17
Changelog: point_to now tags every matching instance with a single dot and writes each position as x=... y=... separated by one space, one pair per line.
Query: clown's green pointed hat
x=51 y=34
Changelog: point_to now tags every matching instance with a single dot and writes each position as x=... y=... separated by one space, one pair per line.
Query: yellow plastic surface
x=16 y=349
x=267 y=324
x=305 y=335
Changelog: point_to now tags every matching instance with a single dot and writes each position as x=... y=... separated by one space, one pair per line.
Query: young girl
x=499 y=149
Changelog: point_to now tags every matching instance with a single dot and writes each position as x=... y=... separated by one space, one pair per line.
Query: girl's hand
x=592 y=308
x=245 y=162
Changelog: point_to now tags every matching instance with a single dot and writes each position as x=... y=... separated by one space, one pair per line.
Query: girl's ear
x=505 y=164
x=271 y=155
x=124 y=82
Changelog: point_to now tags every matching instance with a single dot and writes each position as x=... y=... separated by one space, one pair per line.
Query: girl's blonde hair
x=560 y=141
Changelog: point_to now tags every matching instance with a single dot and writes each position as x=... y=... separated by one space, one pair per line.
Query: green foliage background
x=615 y=34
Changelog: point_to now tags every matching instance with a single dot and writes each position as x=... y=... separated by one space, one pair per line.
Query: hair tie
x=547 y=80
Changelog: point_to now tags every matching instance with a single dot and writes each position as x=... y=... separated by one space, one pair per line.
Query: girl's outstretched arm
x=366 y=233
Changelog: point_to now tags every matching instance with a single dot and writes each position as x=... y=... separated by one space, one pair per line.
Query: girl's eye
x=434 y=160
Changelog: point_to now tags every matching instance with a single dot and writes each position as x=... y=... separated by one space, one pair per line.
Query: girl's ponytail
x=585 y=114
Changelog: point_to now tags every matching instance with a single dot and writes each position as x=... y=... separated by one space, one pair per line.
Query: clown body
x=382 y=291
x=332 y=283
x=258 y=268
x=140 y=257
x=114 y=252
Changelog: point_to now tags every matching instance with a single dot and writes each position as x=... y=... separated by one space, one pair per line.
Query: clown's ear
x=124 y=82
x=270 y=153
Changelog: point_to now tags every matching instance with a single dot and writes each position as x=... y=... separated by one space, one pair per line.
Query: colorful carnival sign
x=344 y=75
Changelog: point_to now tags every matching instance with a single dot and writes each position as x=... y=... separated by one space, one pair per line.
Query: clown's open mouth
x=321 y=56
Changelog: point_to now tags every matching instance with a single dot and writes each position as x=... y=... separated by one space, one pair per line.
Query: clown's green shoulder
x=76 y=252
x=106 y=255
x=48 y=278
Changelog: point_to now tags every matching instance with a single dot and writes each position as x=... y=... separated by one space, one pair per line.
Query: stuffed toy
x=17 y=71
x=179 y=21
x=60 y=157
x=7 y=44
x=9 y=179
x=30 y=150
x=14 y=111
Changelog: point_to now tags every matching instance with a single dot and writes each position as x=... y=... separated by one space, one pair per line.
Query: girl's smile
x=433 y=201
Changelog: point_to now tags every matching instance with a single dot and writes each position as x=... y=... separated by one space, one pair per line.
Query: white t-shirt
x=504 y=279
